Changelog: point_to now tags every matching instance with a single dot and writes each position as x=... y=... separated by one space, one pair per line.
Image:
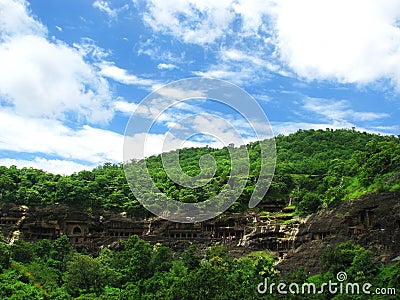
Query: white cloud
x=238 y=24
x=262 y=97
x=172 y=94
x=51 y=137
x=238 y=55
x=164 y=66
x=105 y=6
x=115 y=73
x=205 y=22
x=40 y=78
x=225 y=72
x=45 y=82
x=88 y=48
x=15 y=20
x=54 y=166
x=348 y=41
x=199 y=22
x=339 y=110
x=125 y=107
x=142 y=145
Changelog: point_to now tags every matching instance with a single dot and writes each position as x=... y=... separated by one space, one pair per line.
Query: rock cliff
x=373 y=222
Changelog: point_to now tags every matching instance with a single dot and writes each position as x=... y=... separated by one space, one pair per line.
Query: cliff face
x=94 y=229
x=373 y=222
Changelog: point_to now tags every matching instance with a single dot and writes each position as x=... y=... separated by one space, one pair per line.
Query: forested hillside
x=137 y=270
x=314 y=168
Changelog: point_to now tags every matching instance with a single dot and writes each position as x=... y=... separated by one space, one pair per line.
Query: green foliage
x=352 y=258
x=22 y=251
x=137 y=270
x=191 y=258
x=85 y=274
x=60 y=253
x=161 y=258
x=309 y=203
x=217 y=251
x=14 y=285
x=314 y=167
x=5 y=254
x=133 y=260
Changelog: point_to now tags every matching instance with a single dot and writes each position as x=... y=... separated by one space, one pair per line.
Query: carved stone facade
x=99 y=229
x=373 y=222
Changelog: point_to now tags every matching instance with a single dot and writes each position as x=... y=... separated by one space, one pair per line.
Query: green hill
x=314 y=168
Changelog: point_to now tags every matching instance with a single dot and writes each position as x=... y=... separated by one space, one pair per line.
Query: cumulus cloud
x=348 y=42
x=51 y=137
x=40 y=78
x=15 y=19
x=125 y=107
x=199 y=22
x=43 y=78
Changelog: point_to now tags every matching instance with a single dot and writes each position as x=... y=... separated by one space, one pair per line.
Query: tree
x=5 y=254
x=60 y=253
x=133 y=261
x=352 y=258
x=309 y=203
x=84 y=273
x=190 y=257
x=22 y=251
x=161 y=258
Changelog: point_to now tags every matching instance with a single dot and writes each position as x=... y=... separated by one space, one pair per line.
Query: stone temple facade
x=93 y=230
x=372 y=221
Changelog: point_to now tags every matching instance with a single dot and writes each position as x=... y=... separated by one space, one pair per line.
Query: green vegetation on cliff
x=314 y=168
x=138 y=270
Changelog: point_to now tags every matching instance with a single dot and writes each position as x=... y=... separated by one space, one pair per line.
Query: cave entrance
x=77 y=230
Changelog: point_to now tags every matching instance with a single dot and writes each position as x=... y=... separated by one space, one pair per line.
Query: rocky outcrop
x=372 y=222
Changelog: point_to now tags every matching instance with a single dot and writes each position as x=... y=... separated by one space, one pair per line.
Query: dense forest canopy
x=138 y=270
x=314 y=168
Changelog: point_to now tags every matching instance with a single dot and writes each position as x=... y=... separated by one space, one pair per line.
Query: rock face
x=95 y=229
x=92 y=230
x=373 y=222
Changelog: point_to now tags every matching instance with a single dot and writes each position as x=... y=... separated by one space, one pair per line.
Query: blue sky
x=72 y=72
